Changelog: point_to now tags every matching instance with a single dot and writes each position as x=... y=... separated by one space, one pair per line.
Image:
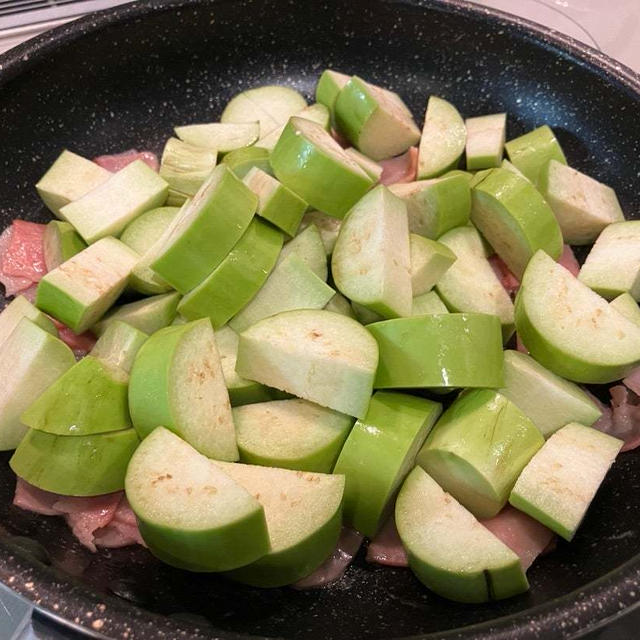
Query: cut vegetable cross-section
x=107 y=209
x=371 y=262
x=292 y=434
x=271 y=106
x=449 y=550
x=190 y=512
x=32 y=360
x=470 y=284
x=571 y=330
x=303 y=518
x=177 y=382
x=81 y=289
x=443 y=139
x=561 y=480
x=320 y=356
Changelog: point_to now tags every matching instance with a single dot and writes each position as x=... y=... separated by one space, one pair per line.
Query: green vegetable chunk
x=514 y=218
x=303 y=518
x=531 y=152
x=204 y=231
x=320 y=356
x=80 y=290
x=177 y=382
x=312 y=164
x=192 y=514
x=478 y=448
x=32 y=360
x=108 y=209
x=371 y=262
x=88 y=465
x=237 y=279
x=61 y=242
x=379 y=453
x=147 y=315
x=291 y=434
x=613 y=264
x=547 y=399
x=415 y=352
x=69 y=178
x=449 y=550
x=562 y=479
x=571 y=330
x=88 y=399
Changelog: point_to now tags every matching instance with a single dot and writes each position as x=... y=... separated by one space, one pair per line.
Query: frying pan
x=122 y=78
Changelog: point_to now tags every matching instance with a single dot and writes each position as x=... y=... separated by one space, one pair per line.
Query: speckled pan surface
x=123 y=79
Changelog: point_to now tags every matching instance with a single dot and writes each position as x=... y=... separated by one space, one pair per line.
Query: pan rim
x=601 y=601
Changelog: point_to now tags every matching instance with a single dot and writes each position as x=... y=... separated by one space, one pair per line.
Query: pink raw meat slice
x=86 y=515
x=79 y=343
x=522 y=534
x=507 y=279
x=386 y=548
x=624 y=422
x=24 y=256
x=105 y=520
x=402 y=168
x=333 y=568
x=569 y=261
x=632 y=381
x=30 y=293
x=340 y=139
x=31 y=498
x=520 y=346
x=12 y=284
x=122 y=531
x=116 y=161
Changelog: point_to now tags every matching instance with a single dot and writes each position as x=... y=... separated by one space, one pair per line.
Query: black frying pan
x=123 y=78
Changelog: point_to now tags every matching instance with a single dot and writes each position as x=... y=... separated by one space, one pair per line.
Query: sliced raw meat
x=508 y=280
x=401 y=168
x=24 y=257
x=12 y=284
x=333 y=568
x=86 y=515
x=632 y=381
x=624 y=419
x=116 y=161
x=340 y=139
x=106 y=520
x=122 y=531
x=604 y=422
x=31 y=498
x=30 y=293
x=386 y=548
x=79 y=343
x=522 y=534
x=569 y=261
x=520 y=345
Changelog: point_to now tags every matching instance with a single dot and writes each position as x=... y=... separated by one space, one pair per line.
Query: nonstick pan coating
x=123 y=78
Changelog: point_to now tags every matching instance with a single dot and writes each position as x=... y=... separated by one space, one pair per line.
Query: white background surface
x=613 y=26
